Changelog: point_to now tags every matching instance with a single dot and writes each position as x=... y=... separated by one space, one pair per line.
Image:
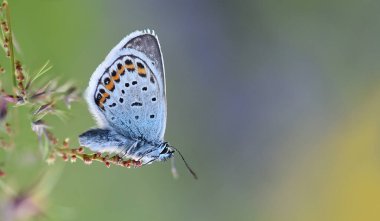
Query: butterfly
x=127 y=97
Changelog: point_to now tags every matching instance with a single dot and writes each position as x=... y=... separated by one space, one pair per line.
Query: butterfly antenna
x=187 y=165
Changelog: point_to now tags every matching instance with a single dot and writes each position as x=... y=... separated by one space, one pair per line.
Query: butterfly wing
x=127 y=91
x=104 y=140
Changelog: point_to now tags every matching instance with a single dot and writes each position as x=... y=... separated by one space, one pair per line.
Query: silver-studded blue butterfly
x=126 y=95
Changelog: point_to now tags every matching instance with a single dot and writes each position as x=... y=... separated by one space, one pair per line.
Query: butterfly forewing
x=148 y=44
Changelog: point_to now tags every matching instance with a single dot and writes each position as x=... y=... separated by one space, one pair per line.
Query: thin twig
x=73 y=154
x=11 y=43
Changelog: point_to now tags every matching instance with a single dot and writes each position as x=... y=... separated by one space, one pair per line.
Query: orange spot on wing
x=110 y=86
x=105 y=96
x=116 y=77
x=141 y=71
x=130 y=67
x=121 y=71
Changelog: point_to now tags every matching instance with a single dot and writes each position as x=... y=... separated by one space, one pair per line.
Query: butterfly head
x=161 y=152
x=166 y=152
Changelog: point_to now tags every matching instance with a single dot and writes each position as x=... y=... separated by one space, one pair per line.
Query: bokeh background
x=274 y=103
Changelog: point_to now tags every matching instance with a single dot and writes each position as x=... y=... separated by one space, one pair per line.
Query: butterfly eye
x=165 y=150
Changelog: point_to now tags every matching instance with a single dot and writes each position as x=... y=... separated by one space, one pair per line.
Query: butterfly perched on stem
x=127 y=97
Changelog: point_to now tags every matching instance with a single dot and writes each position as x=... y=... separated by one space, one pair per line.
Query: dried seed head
x=18 y=66
x=4 y=26
x=3 y=108
x=53 y=140
x=5 y=145
x=51 y=159
x=8 y=128
x=64 y=157
x=66 y=142
x=108 y=164
x=87 y=160
x=137 y=163
x=115 y=158
x=20 y=86
x=126 y=163
x=73 y=158
x=20 y=77
x=2 y=173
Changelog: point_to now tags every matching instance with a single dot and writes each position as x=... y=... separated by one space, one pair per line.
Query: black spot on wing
x=107 y=81
x=152 y=79
x=98 y=96
x=136 y=104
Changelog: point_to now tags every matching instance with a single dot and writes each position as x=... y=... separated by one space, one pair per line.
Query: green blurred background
x=274 y=103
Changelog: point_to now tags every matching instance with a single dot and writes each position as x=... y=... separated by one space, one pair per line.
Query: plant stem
x=11 y=50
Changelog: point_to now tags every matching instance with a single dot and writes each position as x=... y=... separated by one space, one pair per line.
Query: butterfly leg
x=127 y=149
